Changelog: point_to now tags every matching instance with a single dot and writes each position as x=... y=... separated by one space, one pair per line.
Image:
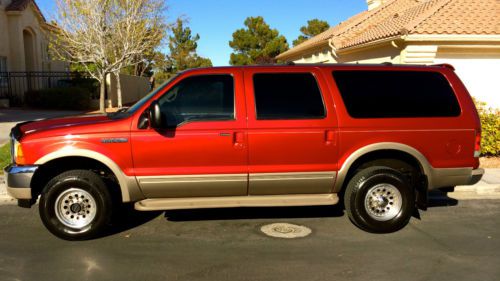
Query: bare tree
x=139 y=29
x=106 y=35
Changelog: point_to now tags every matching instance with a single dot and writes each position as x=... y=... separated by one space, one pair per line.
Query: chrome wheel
x=383 y=202
x=75 y=208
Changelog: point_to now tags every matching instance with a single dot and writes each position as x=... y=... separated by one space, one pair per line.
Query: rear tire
x=379 y=200
x=76 y=205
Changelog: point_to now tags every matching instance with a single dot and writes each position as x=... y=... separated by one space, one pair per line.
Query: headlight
x=16 y=151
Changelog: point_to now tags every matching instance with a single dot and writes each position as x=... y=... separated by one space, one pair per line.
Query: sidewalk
x=10 y=117
x=487 y=188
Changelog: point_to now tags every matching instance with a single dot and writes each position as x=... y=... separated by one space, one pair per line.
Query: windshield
x=142 y=101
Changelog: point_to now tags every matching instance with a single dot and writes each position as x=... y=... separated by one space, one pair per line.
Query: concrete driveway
x=10 y=117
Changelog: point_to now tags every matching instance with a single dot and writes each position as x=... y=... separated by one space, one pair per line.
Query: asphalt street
x=452 y=241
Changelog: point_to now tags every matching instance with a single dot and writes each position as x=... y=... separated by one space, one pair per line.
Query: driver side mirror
x=155 y=118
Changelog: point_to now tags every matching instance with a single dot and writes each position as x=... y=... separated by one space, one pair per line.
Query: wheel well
x=49 y=170
x=407 y=164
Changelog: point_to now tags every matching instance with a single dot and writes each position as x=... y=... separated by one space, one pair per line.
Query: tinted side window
x=287 y=96
x=391 y=94
x=197 y=98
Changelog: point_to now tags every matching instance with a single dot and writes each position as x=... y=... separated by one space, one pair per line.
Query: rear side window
x=392 y=94
x=287 y=96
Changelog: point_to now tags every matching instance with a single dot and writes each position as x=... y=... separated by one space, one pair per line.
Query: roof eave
x=453 y=37
x=372 y=44
x=291 y=53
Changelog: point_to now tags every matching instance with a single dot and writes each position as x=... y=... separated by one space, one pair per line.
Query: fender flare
x=342 y=173
x=128 y=184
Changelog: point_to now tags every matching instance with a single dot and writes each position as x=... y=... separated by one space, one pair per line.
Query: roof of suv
x=325 y=65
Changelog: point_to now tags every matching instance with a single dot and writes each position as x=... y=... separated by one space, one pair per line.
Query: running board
x=237 y=201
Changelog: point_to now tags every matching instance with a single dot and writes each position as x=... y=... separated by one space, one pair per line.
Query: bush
x=59 y=98
x=490 y=123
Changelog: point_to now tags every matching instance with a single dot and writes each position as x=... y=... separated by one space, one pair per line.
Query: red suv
x=377 y=136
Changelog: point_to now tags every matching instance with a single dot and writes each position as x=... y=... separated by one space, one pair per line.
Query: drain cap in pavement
x=285 y=230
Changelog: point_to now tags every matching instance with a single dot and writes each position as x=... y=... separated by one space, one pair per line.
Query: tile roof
x=21 y=5
x=400 y=17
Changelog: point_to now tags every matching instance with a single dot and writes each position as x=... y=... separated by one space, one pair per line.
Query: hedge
x=490 y=124
x=59 y=98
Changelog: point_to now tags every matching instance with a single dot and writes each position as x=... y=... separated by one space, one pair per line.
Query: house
x=23 y=43
x=25 y=63
x=463 y=33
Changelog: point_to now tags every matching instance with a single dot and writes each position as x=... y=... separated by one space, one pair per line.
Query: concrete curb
x=487 y=188
x=5 y=199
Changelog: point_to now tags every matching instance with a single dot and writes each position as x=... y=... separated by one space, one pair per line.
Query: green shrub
x=59 y=98
x=4 y=156
x=490 y=123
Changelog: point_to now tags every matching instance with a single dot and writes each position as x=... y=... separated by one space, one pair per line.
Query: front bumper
x=18 y=179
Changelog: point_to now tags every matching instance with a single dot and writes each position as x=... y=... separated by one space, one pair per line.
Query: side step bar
x=237 y=201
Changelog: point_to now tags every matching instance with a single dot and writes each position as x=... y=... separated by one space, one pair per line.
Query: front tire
x=76 y=205
x=379 y=200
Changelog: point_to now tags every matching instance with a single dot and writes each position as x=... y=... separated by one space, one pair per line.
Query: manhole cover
x=285 y=230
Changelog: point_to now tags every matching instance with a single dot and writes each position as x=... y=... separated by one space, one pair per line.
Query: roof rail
x=445 y=65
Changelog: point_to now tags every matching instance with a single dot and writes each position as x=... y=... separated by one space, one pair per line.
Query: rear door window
x=396 y=94
x=287 y=96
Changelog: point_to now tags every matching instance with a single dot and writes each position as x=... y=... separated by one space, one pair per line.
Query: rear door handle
x=330 y=137
x=239 y=140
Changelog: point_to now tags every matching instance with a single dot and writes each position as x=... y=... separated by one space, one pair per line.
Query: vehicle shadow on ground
x=438 y=198
x=245 y=213
x=128 y=218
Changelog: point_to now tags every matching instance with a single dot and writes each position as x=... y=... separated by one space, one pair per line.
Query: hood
x=69 y=121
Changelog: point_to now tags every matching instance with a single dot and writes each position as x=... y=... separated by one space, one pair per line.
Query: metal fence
x=14 y=85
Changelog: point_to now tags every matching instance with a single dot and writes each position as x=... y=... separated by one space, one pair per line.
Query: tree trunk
x=118 y=90
x=102 y=94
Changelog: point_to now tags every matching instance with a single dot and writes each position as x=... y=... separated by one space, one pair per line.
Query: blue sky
x=216 y=20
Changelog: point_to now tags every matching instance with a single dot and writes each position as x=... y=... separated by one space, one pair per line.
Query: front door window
x=199 y=98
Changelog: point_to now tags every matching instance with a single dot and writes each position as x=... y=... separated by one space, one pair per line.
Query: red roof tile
x=400 y=17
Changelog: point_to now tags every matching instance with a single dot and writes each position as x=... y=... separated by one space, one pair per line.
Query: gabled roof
x=21 y=5
x=400 y=17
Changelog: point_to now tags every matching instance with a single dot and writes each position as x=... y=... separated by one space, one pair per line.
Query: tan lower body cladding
x=237 y=184
x=237 y=201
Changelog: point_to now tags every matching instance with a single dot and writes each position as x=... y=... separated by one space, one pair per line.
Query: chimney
x=372 y=4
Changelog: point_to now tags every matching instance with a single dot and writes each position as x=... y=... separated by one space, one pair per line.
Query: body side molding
x=236 y=201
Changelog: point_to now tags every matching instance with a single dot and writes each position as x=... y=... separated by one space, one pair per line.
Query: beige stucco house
x=23 y=42
x=464 y=33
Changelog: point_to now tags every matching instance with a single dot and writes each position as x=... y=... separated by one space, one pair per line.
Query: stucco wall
x=478 y=69
x=12 y=45
x=314 y=56
x=133 y=88
x=4 y=41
